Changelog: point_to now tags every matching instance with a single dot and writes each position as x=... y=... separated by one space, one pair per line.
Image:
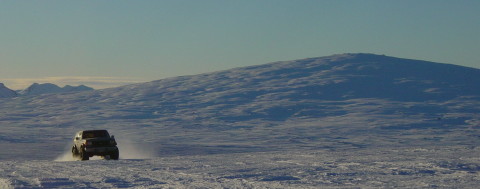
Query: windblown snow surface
x=343 y=121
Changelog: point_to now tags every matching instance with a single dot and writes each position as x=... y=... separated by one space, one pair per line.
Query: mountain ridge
x=242 y=75
x=46 y=88
x=39 y=89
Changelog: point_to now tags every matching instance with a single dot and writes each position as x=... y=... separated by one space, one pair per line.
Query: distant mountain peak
x=45 y=88
x=36 y=89
x=6 y=92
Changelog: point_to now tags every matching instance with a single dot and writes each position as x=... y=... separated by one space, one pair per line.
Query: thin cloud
x=94 y=82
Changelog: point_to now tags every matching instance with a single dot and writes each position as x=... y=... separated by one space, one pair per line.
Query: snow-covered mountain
x=306 y=101
x=376 y=111
x=37 y=89
x=6 y=92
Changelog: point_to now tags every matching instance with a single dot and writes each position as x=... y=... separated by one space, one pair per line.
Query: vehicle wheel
x=84 y=155
x=74 y=152
x=114 y=155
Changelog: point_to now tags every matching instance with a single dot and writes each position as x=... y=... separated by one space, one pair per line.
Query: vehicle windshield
x=95 y=134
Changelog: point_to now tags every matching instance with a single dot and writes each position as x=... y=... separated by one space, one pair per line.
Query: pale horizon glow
x=151 y=40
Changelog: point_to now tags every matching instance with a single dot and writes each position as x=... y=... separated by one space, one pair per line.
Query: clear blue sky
x=108 y=43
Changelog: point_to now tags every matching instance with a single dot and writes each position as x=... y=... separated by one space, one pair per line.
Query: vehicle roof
x=94 y=130
x=91 y=130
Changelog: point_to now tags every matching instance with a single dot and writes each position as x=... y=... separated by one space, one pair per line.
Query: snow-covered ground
x=435 y=167
x=344 y=121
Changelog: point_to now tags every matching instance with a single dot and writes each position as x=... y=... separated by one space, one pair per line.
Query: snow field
x=440 y=167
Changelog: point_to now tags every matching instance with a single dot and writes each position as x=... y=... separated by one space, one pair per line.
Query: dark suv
x=91 y=143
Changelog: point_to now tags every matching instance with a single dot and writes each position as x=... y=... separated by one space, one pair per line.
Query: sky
x=110 y=43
